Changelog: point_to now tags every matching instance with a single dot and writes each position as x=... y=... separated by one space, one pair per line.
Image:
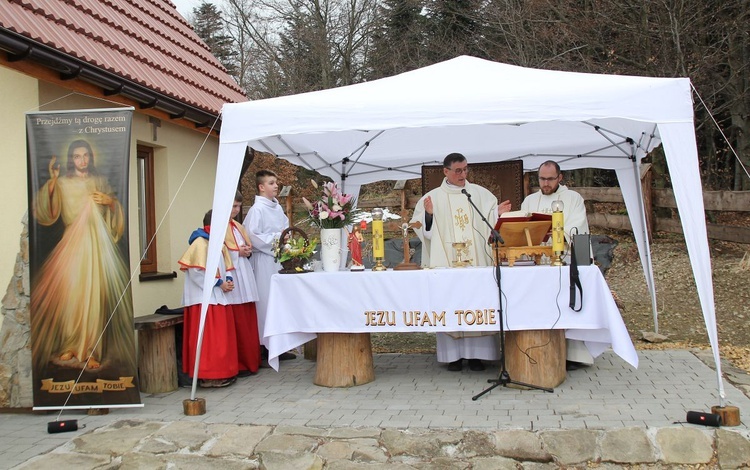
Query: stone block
x=685 y=446
x=630 y=445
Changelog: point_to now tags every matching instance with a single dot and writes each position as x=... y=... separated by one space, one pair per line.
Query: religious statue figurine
x=355 y=239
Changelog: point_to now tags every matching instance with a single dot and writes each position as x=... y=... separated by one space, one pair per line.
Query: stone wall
x=15 y=340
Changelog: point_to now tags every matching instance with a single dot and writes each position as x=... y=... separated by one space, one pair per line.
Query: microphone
x=466 y=193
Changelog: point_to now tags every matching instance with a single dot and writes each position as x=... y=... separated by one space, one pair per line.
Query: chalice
x=460 y=250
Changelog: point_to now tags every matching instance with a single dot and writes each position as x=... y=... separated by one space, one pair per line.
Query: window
x=146 y=217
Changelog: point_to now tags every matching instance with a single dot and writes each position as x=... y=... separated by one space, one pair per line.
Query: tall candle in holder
x=558 y=233
x=378 y=243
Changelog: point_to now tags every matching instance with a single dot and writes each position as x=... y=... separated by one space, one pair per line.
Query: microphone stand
x=504 y=377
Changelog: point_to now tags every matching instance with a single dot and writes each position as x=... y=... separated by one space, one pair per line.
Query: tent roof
x=486 y=110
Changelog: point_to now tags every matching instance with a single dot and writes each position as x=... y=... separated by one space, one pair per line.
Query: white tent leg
x=648 y=266
x=199 y=346
x=630 y=184
x=228 y=170
x=689 y=199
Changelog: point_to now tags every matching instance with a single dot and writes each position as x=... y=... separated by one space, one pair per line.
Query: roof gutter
x=18 y=47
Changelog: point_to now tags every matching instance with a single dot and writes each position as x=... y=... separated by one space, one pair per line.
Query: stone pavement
x=415 y=415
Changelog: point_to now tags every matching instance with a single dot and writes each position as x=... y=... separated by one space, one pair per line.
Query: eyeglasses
x=458 y=171
x=548 y=180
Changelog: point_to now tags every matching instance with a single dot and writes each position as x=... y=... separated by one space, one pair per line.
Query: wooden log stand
x=546 y=365
x=730 y=415
x=195 y=407
x=157 y=354
x=344 y=360
x=311 y=350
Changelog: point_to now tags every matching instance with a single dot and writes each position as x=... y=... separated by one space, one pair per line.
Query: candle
x=558 y=237
x=378 y=244
x=558 y=227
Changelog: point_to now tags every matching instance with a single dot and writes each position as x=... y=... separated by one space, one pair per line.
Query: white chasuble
x=455 y=220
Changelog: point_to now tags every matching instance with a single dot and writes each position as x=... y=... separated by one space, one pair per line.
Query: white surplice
x=574 y=216
x=245 y=285
x=264 y=223
x=574 y=210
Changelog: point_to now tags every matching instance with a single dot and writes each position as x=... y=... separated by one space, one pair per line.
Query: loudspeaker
x=705 y=419
x=54 y=427
x=583 y=249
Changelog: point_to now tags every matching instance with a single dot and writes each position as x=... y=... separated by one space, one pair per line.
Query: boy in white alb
x=264 y=223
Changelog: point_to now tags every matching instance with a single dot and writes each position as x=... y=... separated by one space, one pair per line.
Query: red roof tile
x=144 y=41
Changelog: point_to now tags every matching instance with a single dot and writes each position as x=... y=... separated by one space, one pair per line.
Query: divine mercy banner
x=82 y=338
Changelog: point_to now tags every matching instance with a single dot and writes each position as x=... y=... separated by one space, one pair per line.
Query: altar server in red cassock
x=245 y=293
x=218 y=360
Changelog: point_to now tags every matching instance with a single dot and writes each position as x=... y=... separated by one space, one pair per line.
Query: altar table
x=442 y=300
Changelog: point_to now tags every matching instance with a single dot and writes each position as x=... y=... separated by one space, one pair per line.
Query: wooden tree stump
x=344 y=360
x=157 y=354
x=730 y=415
x=311 y=350
x=195 y=407
x=546 y=365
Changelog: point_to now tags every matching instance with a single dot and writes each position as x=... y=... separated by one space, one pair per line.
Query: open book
x=538 y=216
x=512 y=216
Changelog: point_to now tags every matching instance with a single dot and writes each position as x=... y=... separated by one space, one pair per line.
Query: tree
x=292 y=46
x=454 y=28
x=399 y=40
x=209 y=26
x=302 y=45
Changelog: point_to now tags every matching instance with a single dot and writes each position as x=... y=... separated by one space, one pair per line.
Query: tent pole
x=647 y=252
x=199 y=346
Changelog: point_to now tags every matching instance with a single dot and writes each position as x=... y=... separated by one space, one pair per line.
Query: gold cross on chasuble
x=461 y=218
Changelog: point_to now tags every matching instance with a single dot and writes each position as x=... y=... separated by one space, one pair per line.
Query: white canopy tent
x=388 y=128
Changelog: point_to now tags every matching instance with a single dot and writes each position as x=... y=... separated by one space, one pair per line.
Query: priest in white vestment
x=447 y=217
x=574 y=221
x=550 y=189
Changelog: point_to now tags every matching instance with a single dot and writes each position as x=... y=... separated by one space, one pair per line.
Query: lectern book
x=539 y=216
x=512 y=216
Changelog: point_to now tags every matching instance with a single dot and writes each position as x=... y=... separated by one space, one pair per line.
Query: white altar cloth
x=442 y=300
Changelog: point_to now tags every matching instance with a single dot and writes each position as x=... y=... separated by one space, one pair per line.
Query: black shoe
x=571 y=365
x=456 y=366
x=476 y=365
x=287 y=356
x=245 y=373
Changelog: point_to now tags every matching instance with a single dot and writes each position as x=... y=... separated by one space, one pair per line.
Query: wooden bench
x=157 y=355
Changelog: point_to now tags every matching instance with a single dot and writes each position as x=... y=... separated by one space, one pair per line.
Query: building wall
x=182 y=196
x=19 y=96
x=183 y=190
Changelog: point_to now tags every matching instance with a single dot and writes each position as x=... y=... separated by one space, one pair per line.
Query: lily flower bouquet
x=334 y=209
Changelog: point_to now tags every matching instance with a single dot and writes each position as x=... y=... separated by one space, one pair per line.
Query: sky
x=185 y=7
